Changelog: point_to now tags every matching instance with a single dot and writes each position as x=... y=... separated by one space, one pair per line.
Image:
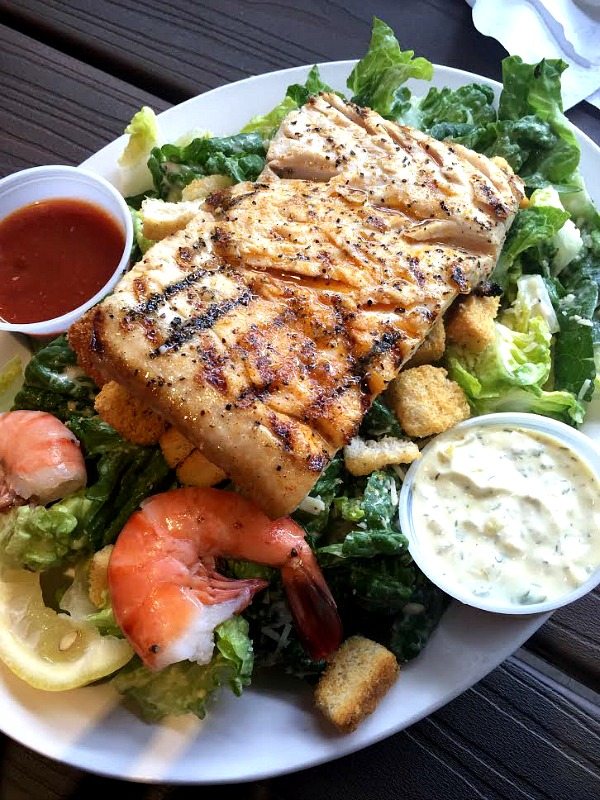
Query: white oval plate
x=272 y=728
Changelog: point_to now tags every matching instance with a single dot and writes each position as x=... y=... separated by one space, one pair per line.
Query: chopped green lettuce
x=447 y=113
x=143 y=136
x=125 y=474
x=380 y=420
x=241 y=157
x=187 y=687
x=577 y=303
x=512 y=372
x=55 y=383
x=40 y=538
x=296 y=95
x=535 y=89
x=377 y=81
x=530 y=233
x=566 y=242
x=530 y=130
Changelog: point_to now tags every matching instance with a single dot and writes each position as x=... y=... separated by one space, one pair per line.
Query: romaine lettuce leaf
x=187 y=687
x=143 y=136
x=511 y=374
x=380 y=420
x=242 y=157
x=55 y=383
x=39 y=538
x=446 y=113
x=532 y=228
x=125 y=474
x=377 y=81
x=577 y=304
x=535 y=89
x=296 y=95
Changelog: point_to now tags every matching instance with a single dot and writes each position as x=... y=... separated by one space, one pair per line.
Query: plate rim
x=76 y=757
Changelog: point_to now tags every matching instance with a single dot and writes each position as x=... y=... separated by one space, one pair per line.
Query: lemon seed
x=68 y=640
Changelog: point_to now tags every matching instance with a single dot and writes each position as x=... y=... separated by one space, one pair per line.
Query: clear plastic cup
x=578 y=442
x=59 y=182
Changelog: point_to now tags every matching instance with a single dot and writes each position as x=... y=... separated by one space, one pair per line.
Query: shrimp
x=40 y=459
x=167 y=595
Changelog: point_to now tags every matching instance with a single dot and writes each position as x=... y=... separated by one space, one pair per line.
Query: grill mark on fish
x=156 y=300
x=385 y=344
x=186 y=331
x=211 y=369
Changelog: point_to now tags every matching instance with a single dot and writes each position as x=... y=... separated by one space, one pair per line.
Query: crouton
x=356 y=678
x=426 y=401
x=128 y=416
x=432 y=348
x=362 y=457
x=200 y=188
x=175 y=447
x=197 y=470
x=160 y=218
x=471 y=322
x=98 y=577
x=192 y=467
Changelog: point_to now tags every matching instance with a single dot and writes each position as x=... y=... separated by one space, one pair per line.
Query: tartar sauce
x=512 y=514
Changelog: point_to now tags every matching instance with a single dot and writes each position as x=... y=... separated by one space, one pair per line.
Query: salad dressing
x=513 y=513
x=54 y=256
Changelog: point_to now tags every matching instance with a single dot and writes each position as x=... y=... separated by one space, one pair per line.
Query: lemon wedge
x=46 y=649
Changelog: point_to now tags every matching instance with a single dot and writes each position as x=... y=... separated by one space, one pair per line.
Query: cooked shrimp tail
x=167 y=595
x=312 y=605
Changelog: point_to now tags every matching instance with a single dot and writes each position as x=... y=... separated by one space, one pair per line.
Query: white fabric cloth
x=536 y=29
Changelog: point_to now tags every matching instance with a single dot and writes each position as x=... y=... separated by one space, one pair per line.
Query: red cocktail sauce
x=54 y=256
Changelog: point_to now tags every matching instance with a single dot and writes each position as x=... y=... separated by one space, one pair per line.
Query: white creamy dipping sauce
x=512 y=514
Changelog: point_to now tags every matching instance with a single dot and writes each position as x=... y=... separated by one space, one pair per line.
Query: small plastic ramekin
x=581 y=445
x=59 y=182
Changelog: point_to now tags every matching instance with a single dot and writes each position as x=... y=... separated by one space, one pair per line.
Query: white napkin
x=536 y=29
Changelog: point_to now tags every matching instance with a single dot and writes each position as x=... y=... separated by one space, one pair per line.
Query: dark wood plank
x=514 y=736
x=571 y=639
x=56 y=109
x=179 y=49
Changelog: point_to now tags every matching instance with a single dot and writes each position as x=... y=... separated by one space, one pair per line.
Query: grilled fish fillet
x=265 y=328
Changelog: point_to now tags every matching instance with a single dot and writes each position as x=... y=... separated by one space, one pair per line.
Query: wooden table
x=71 y=74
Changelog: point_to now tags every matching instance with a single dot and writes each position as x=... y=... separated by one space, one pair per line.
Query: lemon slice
x=46 y=649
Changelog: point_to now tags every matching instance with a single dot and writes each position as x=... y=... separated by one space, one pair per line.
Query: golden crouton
x=200 y=188
x=471 y=322
x=426 y=401
x=362 y=457
x=128 y=416
x=192 y=467
x=432 y=348
x=356 y=678
x=98 y=577
x=197 y=470
x=175 y=447
x=160 y=218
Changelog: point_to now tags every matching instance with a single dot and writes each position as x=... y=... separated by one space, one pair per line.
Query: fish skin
x=264 y=329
